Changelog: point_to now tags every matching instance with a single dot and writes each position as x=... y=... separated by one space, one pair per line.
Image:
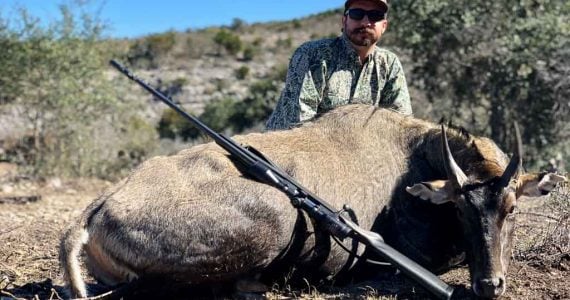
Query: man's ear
x=385 y=26
x=437 y=192
x=537 y=184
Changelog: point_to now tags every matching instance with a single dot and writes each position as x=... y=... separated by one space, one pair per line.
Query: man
x=327 y=73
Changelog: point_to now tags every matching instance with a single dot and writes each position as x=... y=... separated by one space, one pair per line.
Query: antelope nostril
x=492 y=282
x=500 y=282
x=490 y=287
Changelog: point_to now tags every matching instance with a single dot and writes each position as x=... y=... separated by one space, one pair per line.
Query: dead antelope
x=194 y=218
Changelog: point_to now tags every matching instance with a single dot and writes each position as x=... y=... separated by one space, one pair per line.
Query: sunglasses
x=358 y=14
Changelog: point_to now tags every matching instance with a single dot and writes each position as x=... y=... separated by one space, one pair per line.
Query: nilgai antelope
x=438 y=196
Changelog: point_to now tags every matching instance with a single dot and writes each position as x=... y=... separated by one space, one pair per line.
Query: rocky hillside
x=195 y=70
x=64 y=110
x=235 y=71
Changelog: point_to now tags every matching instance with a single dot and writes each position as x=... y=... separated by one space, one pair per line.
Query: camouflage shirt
x=327 y=73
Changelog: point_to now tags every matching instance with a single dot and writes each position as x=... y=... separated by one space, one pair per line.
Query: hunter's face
x=366 y=31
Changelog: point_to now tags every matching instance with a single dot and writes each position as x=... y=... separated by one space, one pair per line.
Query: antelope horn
x=515 y=164
x=454 y=172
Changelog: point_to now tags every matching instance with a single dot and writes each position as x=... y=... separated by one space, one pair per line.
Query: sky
x=134 y=18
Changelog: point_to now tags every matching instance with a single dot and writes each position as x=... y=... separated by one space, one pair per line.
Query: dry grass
x=544 y=231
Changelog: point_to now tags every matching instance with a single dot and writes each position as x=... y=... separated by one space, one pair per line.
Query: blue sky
x=140 y=17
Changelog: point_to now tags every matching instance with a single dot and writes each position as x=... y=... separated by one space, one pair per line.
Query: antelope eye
x=512 y=210
x=511 y=203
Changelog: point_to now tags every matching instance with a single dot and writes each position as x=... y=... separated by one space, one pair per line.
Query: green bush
x=216 y=115
x=257 y=106
x=58 y=74
x=285 y=43
x=159 y=44
x=249 y=53
x=148 y=51
x=238 y=24
x=515 y=71
x=172 y=124
x=228 y=41
x=257 y=42
x=115 y=149
x=194 y=46
x=242 y=72
x=174 y=87
x=297 y=24
x=218 y=112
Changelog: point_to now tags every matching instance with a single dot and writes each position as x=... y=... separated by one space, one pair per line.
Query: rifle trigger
x=346 y=208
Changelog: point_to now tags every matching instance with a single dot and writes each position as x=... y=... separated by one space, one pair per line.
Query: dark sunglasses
x=358 y=14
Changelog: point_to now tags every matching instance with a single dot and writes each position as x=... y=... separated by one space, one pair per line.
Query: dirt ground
x=30 y=228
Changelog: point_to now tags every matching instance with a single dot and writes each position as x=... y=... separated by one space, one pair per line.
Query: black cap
x=382 y=3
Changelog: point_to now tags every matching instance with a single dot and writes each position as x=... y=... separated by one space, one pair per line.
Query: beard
x=362 y=36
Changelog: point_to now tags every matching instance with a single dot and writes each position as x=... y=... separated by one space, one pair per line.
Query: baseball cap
x=382 y=3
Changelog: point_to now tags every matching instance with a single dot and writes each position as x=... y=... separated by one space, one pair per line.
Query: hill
x=200 y=66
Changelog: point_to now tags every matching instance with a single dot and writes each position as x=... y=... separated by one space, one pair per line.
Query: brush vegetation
x=481 y=65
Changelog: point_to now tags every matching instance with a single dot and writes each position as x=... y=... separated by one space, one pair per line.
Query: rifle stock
x=336 y=224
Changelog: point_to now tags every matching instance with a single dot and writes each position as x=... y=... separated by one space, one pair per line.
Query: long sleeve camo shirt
x=327 y=73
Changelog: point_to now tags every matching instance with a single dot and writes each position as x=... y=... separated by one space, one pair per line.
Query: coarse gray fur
x=194 y=217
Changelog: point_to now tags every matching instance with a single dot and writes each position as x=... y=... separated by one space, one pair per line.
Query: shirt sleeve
x=300 y=98
x=395 y=94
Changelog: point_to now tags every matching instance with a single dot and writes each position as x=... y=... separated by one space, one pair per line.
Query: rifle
x=328 y=219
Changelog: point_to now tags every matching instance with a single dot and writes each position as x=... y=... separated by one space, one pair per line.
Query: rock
x=8 y=169
x=55 y=183
x=6 y=189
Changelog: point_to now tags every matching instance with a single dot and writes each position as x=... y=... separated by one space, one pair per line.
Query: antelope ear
x=437 y=192
x=538 y=184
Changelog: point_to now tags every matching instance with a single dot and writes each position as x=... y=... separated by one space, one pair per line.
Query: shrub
x=114 y=149
x=173 y=87
x=297 y=24
x=59 y=77
x=242 y=72
x=284 y=43
x=228 y=41
x=148 y=51
x=257 y=106
x=490 y=78
x=237 y=24
x=195 y=46
x=257 y=42
x=216 y=115
x=171 y=125
x=249 y=52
